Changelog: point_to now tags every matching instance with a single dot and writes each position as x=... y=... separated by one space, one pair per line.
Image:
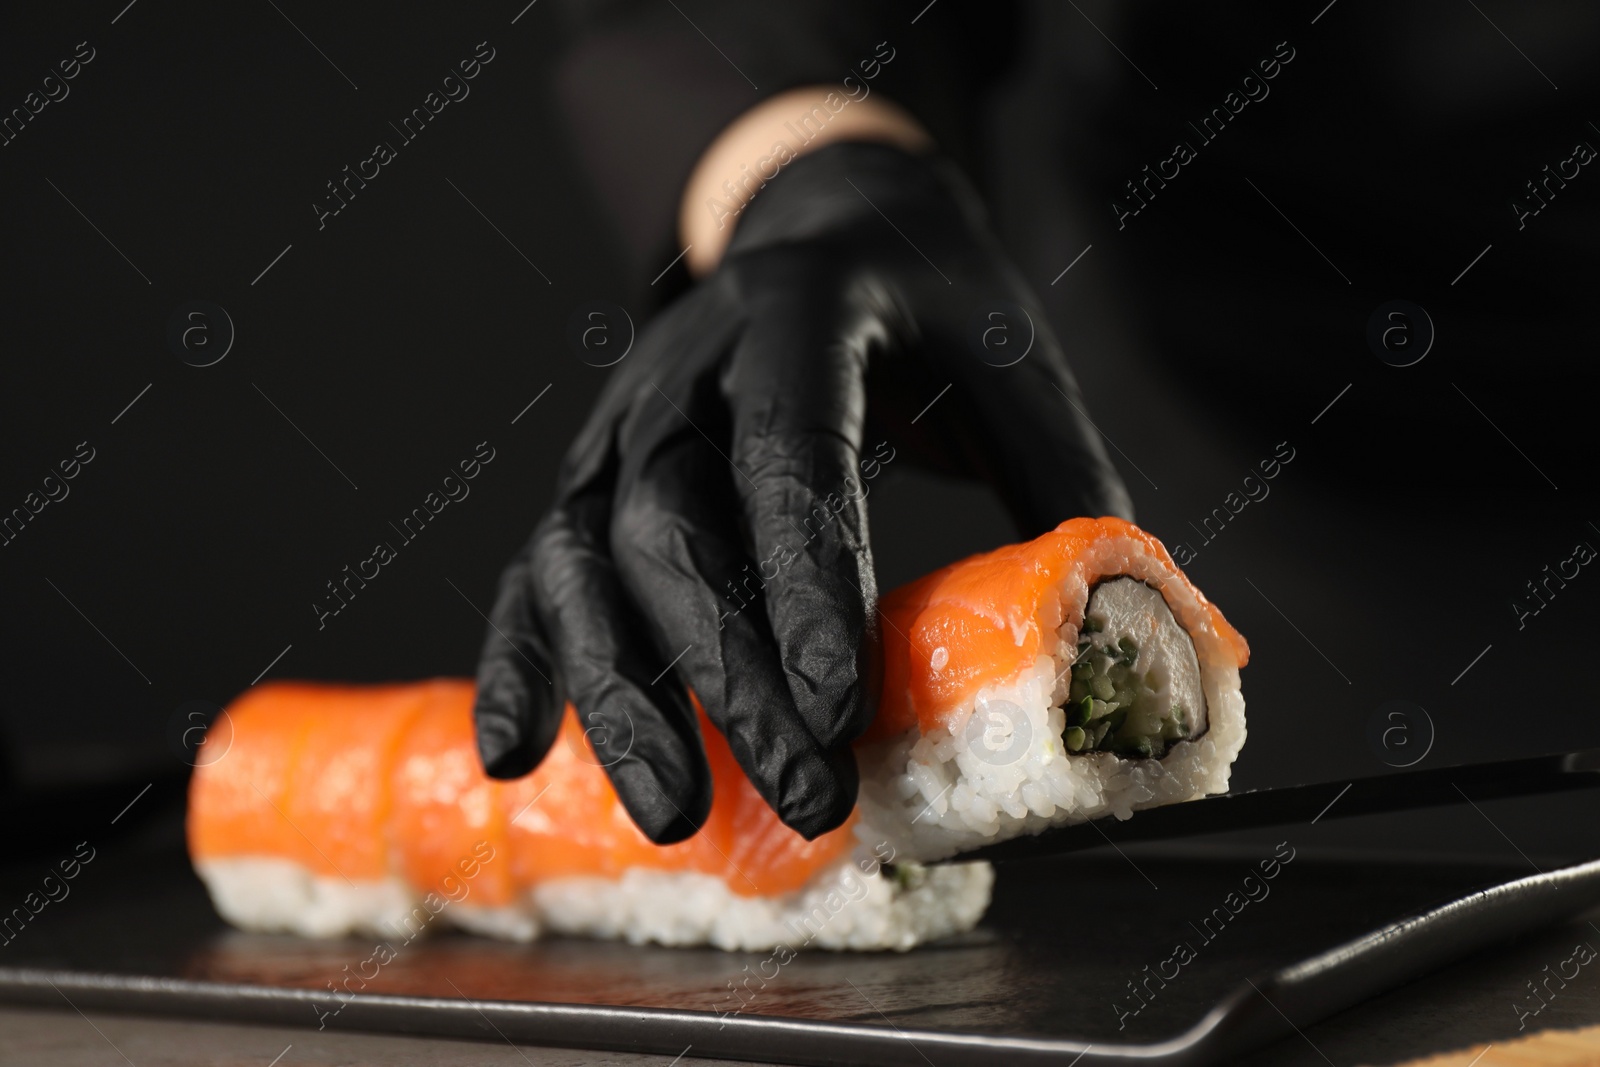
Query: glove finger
x=1048 y=456
x=517 y=710
x=1014 y=416
x=645 y=735
x=679 y=552
x=795 y=388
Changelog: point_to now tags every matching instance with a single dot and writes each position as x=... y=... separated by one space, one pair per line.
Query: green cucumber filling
x=905 y=875
x=1135 y=678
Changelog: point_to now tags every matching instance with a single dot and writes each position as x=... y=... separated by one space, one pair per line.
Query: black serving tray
x=1044 y=980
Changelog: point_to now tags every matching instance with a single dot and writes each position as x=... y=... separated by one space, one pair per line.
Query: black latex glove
x=858 y=285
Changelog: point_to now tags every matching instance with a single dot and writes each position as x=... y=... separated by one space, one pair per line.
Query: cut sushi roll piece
x=1075 y=675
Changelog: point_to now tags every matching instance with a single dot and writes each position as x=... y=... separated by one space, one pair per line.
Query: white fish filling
x=1135 y=680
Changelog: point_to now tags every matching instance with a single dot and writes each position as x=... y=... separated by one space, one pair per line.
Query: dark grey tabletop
x=1072 y=949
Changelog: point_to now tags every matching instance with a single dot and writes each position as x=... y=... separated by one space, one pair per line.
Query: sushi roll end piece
x=1073 y=676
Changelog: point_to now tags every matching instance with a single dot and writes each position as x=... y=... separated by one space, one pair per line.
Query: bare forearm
x=755 y=147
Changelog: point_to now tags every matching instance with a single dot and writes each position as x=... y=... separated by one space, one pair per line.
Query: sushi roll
x=1072 y=676
x=340 y=810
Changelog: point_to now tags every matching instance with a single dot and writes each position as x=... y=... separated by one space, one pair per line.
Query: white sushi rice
x=278 y=895
x=840 y=908
x=934 y=795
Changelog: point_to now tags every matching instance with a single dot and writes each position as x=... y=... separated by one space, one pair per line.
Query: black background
x=410 y=329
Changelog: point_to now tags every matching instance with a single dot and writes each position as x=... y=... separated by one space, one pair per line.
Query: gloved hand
x=731 y=443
